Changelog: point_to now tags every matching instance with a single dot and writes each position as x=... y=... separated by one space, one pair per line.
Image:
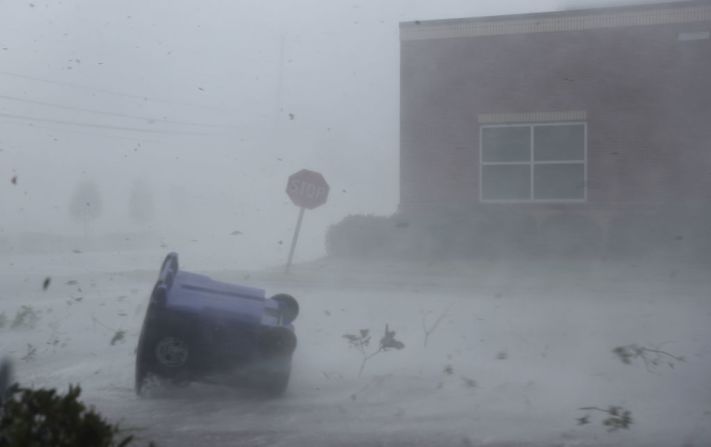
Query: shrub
x=446 y=235
x=360 y=236
x=42 y=417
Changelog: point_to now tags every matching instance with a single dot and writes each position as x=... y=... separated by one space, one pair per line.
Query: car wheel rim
x=172 y=352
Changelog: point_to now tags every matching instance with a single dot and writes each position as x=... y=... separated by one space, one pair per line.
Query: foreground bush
x=44 y=418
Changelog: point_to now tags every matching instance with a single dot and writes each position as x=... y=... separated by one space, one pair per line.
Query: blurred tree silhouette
x=140 y=202
x=85 y=205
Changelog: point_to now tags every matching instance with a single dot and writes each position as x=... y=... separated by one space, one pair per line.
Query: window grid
x=532 y=163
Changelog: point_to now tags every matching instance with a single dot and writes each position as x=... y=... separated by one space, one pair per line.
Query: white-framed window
x=533 y=162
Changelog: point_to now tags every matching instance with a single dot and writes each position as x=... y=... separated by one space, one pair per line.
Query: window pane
x=559 y=181
x=506 y=144
x=506 y=182
x=559 y=143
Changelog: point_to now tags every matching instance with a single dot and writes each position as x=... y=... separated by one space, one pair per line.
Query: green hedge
x=444 y=237
x=516 y=234
x=45 y=418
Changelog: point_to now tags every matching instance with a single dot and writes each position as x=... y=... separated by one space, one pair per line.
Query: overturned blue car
x=197 y=329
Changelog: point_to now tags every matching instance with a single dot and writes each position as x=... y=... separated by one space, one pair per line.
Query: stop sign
x=307 y=189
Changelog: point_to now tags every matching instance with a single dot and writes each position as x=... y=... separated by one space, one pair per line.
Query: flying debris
x=469 y=383
x=118 y=337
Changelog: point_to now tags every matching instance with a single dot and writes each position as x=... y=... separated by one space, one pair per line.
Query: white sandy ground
x=535 y=337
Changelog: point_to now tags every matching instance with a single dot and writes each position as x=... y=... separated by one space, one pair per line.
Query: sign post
x=294 y=239
x=308 y=190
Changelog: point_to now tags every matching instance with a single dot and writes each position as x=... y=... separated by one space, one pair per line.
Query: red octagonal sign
x=307 y=189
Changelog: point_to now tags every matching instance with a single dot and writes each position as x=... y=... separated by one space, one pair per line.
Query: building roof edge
x=569 y=20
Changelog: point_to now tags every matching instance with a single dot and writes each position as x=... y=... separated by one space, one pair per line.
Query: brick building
x=572 y=132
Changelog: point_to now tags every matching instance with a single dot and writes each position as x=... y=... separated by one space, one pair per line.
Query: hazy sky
x=211 y=103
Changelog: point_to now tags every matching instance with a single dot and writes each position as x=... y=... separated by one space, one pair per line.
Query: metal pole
x=294 y=239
